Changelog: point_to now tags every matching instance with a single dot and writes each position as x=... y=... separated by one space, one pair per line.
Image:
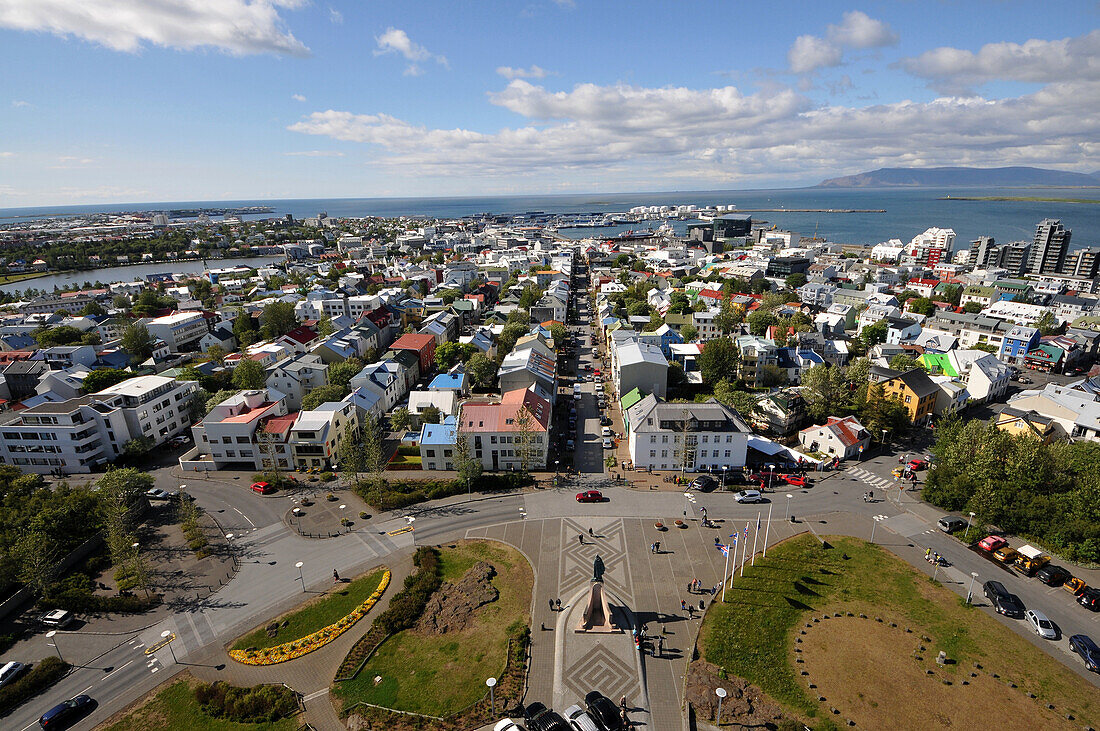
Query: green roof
x=631 y=398
x=939 y=362
x=1020 y=286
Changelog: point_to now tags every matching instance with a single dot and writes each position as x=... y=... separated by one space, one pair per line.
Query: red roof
x=844 y=430
x=303 y=335
x=502 y=417
x=413 y=341
x=279 y=424
x=710 y=293
x=925 y=282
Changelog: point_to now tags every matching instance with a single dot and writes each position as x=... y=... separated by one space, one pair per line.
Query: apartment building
x=316 y=435
x=179 y=330
x=497 y=431
x=226 y=437
x=296 y=376
x=686 y=436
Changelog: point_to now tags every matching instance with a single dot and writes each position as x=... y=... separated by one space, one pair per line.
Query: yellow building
x=1028 y=423
x=916 y=391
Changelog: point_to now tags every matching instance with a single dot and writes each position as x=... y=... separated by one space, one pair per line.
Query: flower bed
x=309 y=643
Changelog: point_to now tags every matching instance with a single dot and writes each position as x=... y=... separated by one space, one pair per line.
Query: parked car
x=916 y=464
x=65 y=713
x=157 y=494
x=1042 y=626
x=1006 y=555
x=764 y=476
x=262 y=488
x=950 y=523
x=796 y=480
x=607 y=443
x=590 y=496
x=1090 y=599
x=569 y=445
x=703 y=482
x=1087 y=649
x=1052 y=575
x=57 y=618
x=1003 y=601
x=579 y=720
x=606 y=431
x=605 y=713
x=10 y=671
x=507 y=724
x=1029 y=560
x=991 y=543
x=1074 y=585
x=605 y=420
x=541 y=718
x=749 y=496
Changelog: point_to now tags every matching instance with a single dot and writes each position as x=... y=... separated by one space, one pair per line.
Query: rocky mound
x=744 y=704
x=450 y=608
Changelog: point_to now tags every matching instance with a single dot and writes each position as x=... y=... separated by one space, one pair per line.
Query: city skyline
x=121 y=101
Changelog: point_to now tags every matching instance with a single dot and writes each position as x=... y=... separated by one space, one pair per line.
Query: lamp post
x=301 y=578
x=491 y=682
x=968 y=520
x=725 y=471
x=721 y=693
x=787 y=514
x=874 y=524
x=970 y=591
x=50 y=636
x=298 y=516
x=771 y=475
x=164 y=636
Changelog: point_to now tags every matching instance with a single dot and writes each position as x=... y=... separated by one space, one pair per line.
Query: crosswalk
x=870 y=478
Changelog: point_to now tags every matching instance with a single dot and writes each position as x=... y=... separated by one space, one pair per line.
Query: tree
x=922 y=306
x=244 y=329
x=249 y=374
x=102 y=378
x=400 y=419
x=972 y=307
x=772 y=375
x=138 y=342
x=874 y=334
x=340 y=374
x=794 y=281
x=48 y=337
x=322 y=395
x=138 y=446
x=509 y=334
x=352 y=453
x=374 y=456
x=905 y=363
x=118 y=490
x=482 y=371
x=217 y=398
x=558 y=333
x=93 y=308
x=760 y=320
x=469 y=467
x=622 y=260
x=278 y=318
x=655 y=321
x=429 y=415
x=447 y=354
x=743 y=401
x=880 y=412
x=718 y=360
x=120 y=302
x=36 y=555
x=525 y=439
x=825 y=390
x=676 y=379
x=324 y=327
x=680 y=304
x=1047 y=325
x=689 y=333
x=217 y=353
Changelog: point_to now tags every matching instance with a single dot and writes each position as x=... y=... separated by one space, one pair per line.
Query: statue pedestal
x=596 y=616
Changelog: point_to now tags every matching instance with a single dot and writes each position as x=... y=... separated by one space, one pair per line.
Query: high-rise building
x=1083 y=263
x=983 y=251
x=1014 y=257
x=1048 y=252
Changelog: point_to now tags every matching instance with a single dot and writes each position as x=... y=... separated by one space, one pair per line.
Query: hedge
x=402 y=493
x=43 y=675
x=258 y=704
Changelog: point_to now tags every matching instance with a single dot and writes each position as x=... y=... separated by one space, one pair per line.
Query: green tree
x=324 y=327
x=558 y=333
x=972 y=307
x=244 y=329
x=689 y=333
x=277 y=319
x=1047 y=325
x=922 y=306
x=217 y=353
x=743 y=401
x=771 y=375
x=217 y=398
x=622 y=260
x=102 y=378
x=511 y=332
x=322 y=395
x=760 y=320
x=680 y=304
x=249 y=375
x=400 y=419
x=138 y=342
x=340 y=374
x=469 y=467
x=138 y=446
x=718 y=360
x=482 y=371
x=93 y=308
x=825 y=390
x=448 y=354
x=48 y=337
x=874 y=334
x=36 y=555
x=429 y=415
x=352 y=453
x=794 y=281
x=905 y=363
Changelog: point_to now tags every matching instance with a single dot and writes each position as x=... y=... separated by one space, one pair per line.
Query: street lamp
x=301 y=578
x=50 y=636
x=298 y=514
x=721 y=693
x=725 y=471
x=164 y=636
x=491 y=682
x=968 y=520
x=970 y=591
x=787 y=514
x=771 y=475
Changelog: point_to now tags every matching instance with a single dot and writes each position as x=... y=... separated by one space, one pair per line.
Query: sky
x=201 y=100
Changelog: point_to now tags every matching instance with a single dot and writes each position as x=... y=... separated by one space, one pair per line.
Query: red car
x=262 y=488
x=992 y=543
x=590 y=496
x=917 y=464
x=796 y=480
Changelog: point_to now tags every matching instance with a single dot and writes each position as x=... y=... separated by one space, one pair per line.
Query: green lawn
x=752 y=634
x=439 y=675
x=318 y=613
x=174 y=708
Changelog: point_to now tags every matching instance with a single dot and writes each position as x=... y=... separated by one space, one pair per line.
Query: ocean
x=908 y=211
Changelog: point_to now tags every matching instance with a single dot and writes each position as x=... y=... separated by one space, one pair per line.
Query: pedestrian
x=590 y=533
x=689 y=587
x=658 y=544
x=551 y=600
x=702 y=606
x=622 y=703
x=714 y=590
x=716 y=541
x=335 y=577
x=683 y=605
x=580 y=539
x=927 y=553
x=558 y=603
x=660 y=646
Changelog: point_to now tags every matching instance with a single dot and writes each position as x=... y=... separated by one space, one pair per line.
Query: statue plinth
x=597 y=614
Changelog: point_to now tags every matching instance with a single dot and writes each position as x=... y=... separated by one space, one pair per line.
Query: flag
x=758 y=523
x=746 y=531
x=723 y=548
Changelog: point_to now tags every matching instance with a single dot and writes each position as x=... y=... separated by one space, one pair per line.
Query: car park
x=9 y=671
x=590 y=496
x=1003 y=601
x=991 y=543
x=703 y=482
x=950 y=523
x=749 y=496
x=262 y=488
x=605 y=713
x=1042 y=626
x=63 y=714
x=579 y=720
x=1087 y=649
x=57 y=618
x=1090 y=599
x=1052 y=575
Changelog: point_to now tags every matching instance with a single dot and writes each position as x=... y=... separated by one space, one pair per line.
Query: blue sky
x=156 y=100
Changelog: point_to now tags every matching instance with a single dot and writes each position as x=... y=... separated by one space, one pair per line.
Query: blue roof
x=448 y=382
x=439 y=435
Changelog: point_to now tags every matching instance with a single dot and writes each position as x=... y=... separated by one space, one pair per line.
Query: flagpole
x=725 y=573
x=755 y=535
x=767 y=529
x=745 y=549
x=733 y=549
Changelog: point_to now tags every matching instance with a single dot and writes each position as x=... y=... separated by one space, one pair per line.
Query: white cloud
x=858 y=30
x=809 y=53
x=315 y=153
x=7 y=154
x=20 y=104
x=235 y=26
x=395 y=40
x=297 y=97
x=535 y=72
x=1032 y=61
x=335 y=16
x=691 y=136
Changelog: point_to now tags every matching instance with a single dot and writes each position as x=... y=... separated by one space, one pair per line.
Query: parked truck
x=1029 y=560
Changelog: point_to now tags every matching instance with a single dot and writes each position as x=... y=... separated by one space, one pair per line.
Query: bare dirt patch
x=877 y=676
x=745 y=705
x=451 y=607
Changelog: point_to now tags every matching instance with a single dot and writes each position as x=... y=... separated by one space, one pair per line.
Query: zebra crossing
x=870 y=478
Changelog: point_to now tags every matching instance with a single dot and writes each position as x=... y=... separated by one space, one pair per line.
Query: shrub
x=43 y=675
x=327 y=477
x=258 y=704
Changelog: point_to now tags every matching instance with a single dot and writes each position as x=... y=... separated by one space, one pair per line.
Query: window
x=727 y=454
x=230 y=453
x=430 y=452
x=227 y=440
x=653 y=453
x=242 y=440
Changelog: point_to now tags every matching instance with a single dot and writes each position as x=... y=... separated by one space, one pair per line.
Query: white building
x=297 y=376
x=226 y=437
x=179 y=329
x=689 y=436
x=845 y=438
x=316 y=435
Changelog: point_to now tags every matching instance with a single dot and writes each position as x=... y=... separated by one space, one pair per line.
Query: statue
x=597 y=569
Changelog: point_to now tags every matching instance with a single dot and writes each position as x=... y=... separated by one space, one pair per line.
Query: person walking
x=657 y=547
x=557 y=602
x=683 y=605
x=551 y=600
x=591 y=534
x=622 y=703
x=335 y=576
x=580 y=538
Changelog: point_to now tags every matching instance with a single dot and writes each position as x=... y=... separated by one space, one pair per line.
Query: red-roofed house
x=923 y=287
x=845 y=438
x=227 y=436
x=423 y=344
x=497 y=430
x=299 y=339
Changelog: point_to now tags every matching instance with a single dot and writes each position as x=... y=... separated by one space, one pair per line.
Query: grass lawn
x=753 y=634
x=317 y=613
x=441 y=674
x=174 y=707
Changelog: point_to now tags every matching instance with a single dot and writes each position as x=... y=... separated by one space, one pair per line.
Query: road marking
x=86 y=689
x=315 y=694
x=153 y=670
x=116 y=670
x=245 y=517
x=399 y=531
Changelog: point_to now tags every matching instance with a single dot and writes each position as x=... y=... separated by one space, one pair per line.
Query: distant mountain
x=969 y=177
